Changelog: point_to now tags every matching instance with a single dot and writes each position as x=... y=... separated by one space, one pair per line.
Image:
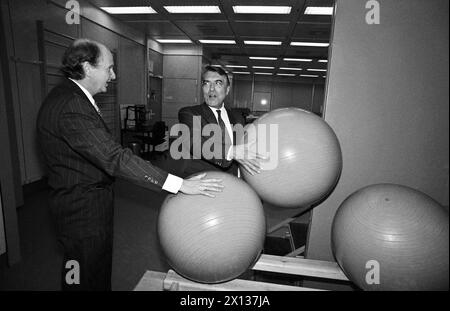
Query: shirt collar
x=88 y=95
x=214 y=110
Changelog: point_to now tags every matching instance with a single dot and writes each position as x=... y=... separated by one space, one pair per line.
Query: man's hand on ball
x=200 y=185
x=248 y=158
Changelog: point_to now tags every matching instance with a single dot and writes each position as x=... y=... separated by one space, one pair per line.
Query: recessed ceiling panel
x=206 y=29
x=313 y=31
x=262 y=50
x=253 y=29
x=160 y=29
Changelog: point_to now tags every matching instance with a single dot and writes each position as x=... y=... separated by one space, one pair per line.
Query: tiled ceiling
x=295 y=26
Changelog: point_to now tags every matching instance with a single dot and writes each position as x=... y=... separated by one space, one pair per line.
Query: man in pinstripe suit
x=83 y=159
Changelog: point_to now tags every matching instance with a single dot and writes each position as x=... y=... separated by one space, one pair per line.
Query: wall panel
x=302 y=95
x=181 y=82
x=388 y=102
x=242 y=94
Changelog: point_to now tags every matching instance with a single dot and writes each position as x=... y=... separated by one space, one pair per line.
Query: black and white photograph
x=224 y=154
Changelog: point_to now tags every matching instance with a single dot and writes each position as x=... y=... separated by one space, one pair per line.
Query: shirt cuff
x=173 y=183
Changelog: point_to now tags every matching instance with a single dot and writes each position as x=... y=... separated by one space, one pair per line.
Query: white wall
x=388 y=102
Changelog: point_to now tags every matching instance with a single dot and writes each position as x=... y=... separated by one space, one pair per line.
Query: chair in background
x=134 y=121
x=135 y=117
x=157 y=136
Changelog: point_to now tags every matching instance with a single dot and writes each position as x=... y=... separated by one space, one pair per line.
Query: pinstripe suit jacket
x=83 y=158
x=191 y=166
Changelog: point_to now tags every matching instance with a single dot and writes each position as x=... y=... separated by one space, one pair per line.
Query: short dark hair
x=219 y=70
x=80 y=51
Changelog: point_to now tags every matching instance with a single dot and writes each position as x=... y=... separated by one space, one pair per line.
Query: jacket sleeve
x=85 y=133
x=186 y=116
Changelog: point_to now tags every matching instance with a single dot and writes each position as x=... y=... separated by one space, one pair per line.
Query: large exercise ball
x=392 y=235
x=304 y=161
x=212 y=240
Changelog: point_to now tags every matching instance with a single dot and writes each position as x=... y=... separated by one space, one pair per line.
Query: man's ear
x=86 y=68
x=228 y=90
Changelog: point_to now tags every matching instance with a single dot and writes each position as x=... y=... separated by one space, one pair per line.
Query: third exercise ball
x=392 y=237
x=304 y=157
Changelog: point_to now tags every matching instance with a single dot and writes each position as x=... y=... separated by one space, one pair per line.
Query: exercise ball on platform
x=305 y=158
x=213 y=240
x=401 y=234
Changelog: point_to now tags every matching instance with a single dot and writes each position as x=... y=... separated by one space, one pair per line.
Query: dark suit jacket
x=82 y=158
x=185 y=116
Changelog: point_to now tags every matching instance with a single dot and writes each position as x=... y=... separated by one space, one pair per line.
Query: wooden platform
x=159 y=281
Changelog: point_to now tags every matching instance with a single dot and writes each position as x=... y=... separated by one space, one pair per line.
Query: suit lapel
x=77 y=90
x=211 y=118
x=231 y=117
x=208 y=115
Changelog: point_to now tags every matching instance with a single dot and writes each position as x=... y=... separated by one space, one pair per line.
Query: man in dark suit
x=215 y=87
x=83 y=159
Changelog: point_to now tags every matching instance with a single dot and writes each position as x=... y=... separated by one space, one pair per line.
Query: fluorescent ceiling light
x=263 y=67
x=257 y=9
x=319 y=10
x=298 y=59
x=316 y=44
x=286 y=74
x=290 y=68
x=192 y=9
x=323 y=60
x=263 y=58
x=128 y=9
x=310 y=69
x=262 y=42
x=218 y=41
x=241 y=72
x=324 y=76
x=215 y=66
x=264 y=73
x=174 y=40
x=309 y=76
x=235 y=66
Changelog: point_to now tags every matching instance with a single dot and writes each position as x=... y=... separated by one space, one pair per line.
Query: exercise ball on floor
x=304 y=162
x=399 y=231
x=213 y=240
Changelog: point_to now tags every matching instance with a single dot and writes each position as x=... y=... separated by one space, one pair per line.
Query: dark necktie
x=225 y=137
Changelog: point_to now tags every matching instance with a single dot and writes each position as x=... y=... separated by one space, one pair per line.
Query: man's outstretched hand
x=248 y=158
x=200 y=185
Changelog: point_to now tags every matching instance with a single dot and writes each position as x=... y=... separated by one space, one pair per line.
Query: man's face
x=215 y=89
x=101 y=74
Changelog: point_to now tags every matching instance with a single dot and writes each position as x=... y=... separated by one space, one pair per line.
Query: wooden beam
x=296 y=252
x=300 y=266
x=174 y=280
x=153 y=281
x=11 y=192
